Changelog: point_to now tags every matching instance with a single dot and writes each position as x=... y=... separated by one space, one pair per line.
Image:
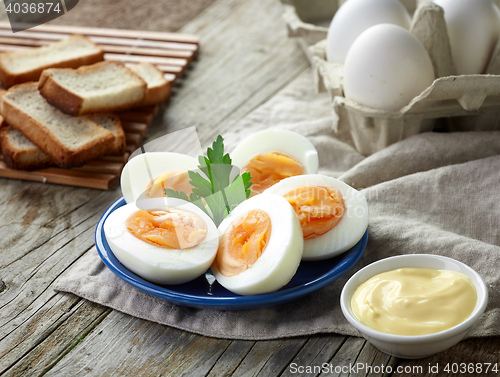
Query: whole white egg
x=354 y=17
x=473 y=27
x=315 y=198
x=153 y=261
x=139 y=174
x=386 y=68
x=260 y=247
x=274 y=154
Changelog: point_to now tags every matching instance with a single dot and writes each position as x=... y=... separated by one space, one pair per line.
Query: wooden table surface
x=245 y=59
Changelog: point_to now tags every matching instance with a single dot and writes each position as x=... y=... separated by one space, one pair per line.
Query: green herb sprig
x=213 y=183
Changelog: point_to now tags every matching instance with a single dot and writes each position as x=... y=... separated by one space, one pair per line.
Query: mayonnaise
x=414 y=301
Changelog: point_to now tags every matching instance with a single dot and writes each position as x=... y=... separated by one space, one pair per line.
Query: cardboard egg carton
x=460 y=103
x=308 y=20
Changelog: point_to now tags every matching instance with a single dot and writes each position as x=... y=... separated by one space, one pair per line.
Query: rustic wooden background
x=245 y=59
x=156 y=15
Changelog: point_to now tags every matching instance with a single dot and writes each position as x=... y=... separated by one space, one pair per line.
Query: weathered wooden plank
x=365 y=358
x=27 y=302
x=156 y=350
x=257 y=357
x=79 y=319
x=198 y=358
x=231 y=358
x=31 y=314
x=282 y=356
x=37 y=204
x=318 y=350
x=234 y=74
x=478 y=354
x=382 y=359
x=373 y=362
x=345 y=357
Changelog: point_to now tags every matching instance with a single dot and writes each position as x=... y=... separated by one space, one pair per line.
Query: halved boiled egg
x=148 y=174
x=274 y=154
x=332 y=214
x=260 y=247
x=165 y=241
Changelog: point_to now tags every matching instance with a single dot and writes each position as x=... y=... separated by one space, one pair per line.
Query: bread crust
x=9 y=79
x=24 y=159
x=71 y=103
x=39 y=134
x=156 y=95
x=118 y=133
x=66 y=101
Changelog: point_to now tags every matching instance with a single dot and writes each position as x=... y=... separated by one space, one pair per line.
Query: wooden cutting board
x=170 y=52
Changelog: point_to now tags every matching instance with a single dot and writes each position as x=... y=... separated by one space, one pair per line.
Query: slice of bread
x=158 y=89
x=112 y=123
x=105 y=86
x=20 y=153
x=70 y=141
x=27 y=65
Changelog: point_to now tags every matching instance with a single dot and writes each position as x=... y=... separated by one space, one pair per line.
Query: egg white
x=143 y=168
x=354 y=17
x=350 y=228
x=282 y=255
x=386 y=67
x=473 y=28
x=277 y=140
x=157 y=264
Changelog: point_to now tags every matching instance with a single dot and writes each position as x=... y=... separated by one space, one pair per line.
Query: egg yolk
x=319 y=209
x=243 y=243
x=269 y=168
x=170 y=228
x=177 y=180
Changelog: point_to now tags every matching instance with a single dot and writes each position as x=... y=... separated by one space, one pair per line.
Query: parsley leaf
x=201 y=186
x=193 y=198
x=216 y=183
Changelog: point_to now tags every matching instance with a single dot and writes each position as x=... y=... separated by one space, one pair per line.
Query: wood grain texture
x=232 y=357
x=31 y=309
x=44 y=229
x=318 y=350
x=80 y=319
x=236 y=74
x=175 y=352
x=107 y=32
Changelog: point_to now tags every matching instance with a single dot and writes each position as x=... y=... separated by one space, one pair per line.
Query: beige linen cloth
x=435 y=193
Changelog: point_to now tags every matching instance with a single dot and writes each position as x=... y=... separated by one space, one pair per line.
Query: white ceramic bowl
x=417 y=346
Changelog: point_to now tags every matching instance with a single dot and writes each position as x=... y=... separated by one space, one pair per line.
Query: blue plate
x=198 y=293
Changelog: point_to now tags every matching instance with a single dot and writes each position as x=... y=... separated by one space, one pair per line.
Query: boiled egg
x=165 y=240
x=354 y=17
x=274 y=154
x=148 y=174
x=473 y=27
x=333 y=215
x=386 y=68
x=260 y=246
